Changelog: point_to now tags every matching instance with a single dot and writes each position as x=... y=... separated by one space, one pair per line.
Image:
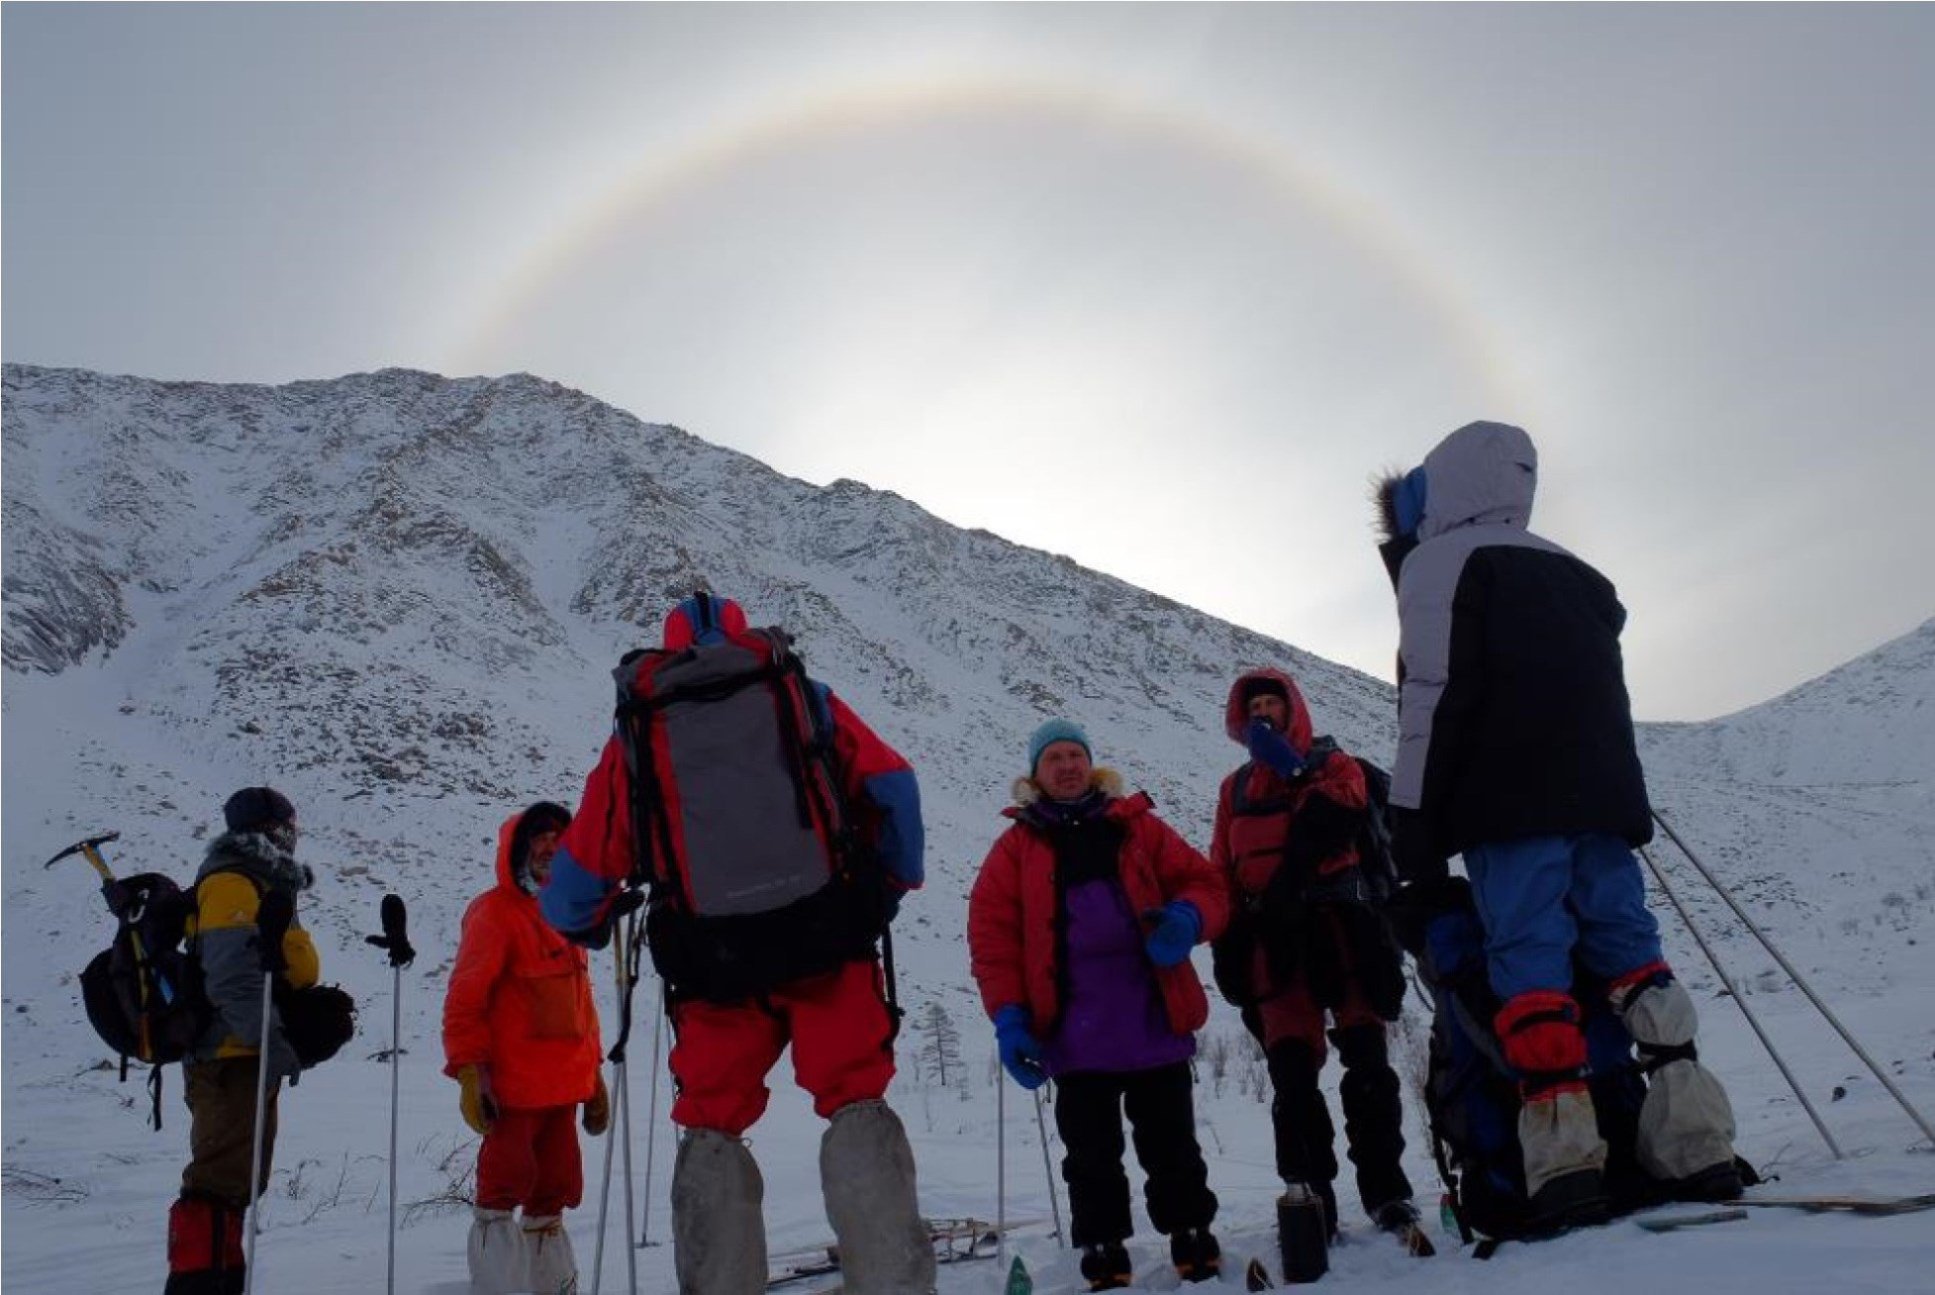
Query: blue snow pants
x=1541 y=898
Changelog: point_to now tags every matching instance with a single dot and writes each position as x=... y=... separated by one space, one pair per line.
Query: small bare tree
x=1215 y=1053
x=940 y=1048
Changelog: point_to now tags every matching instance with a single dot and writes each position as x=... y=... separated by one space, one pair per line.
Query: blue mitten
x=1273 y=750
x=1020 y=1049
x=1177 y=926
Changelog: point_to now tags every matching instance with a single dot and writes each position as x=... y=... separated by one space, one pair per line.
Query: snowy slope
x=397 y=597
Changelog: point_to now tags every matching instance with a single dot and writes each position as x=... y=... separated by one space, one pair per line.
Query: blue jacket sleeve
x=877 y=772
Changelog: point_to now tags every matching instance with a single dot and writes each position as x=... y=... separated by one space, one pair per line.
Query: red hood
x=1236 y=719
x=504 y=834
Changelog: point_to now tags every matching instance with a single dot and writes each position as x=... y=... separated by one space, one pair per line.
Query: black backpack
x=1374 y=854
x=1375 y=861
x=1471 y=1094
x=143 y=993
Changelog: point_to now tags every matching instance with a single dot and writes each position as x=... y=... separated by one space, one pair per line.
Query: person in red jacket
x=750 y=978
x=1305 y=944
x=520 y=1035
x=1079 y=931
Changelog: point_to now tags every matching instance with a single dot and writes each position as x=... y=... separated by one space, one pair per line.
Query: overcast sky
x=1158 y=287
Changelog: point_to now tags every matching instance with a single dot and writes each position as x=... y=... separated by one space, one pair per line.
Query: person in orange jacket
x=520 y=1034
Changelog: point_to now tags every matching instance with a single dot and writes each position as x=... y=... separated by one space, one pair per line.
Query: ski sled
x=1873 y=1207
x=1657 y=1218
x=1698 y=1219
x=1869 y=1205
x=954 y=1241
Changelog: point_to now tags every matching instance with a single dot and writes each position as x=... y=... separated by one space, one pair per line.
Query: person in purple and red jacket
x=1080 y=927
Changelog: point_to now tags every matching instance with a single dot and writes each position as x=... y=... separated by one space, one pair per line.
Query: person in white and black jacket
x=1516 y=750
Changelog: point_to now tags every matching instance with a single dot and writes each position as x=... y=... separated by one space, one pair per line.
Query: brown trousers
x=221 y=1107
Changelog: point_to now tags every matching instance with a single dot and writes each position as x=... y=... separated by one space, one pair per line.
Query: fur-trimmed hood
x=254 y=853
x=1384 y=499
x=1026 y=791
x=1483 y=473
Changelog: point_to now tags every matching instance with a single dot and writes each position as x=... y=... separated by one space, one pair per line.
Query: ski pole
x=1048 y=1168
x=628 y=965
x=651 y=1128
x=271 y=923
x=1686 y=919
x=1800 y=982
x=396 y=940
x=1001 y=1168
x=604 y=1203
x=617 y=1058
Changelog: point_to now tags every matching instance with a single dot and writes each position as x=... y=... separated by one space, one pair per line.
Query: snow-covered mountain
x=1871 y=720
x=398 y=597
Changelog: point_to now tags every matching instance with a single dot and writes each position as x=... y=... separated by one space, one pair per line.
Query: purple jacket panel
x=1113 y=1018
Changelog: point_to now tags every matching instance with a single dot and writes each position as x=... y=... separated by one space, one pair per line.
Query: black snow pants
x=1088 y=1115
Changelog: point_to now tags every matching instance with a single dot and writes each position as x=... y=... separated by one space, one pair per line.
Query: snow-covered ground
x=397 y=597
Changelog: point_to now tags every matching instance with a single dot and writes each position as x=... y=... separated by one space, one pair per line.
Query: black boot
x=1574 y=1200
x=1714 y=1183
x=1197 y=1256
x=1373 y=1116
x=1328 y=1195
x=1300 y=1119
x=1400 y=1219
x=1107 y=1266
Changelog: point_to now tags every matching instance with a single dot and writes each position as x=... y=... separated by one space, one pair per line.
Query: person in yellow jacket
x=255 y=855
x=520 y=1035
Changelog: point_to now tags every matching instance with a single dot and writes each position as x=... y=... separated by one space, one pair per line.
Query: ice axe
x=91 y=848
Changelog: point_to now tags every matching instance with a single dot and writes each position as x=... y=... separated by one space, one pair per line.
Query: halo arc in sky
x=781 y=129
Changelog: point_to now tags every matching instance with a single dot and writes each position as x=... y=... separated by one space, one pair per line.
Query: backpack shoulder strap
x=1243 y=805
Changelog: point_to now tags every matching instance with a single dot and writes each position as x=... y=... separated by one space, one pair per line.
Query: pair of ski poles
x=629 y=948
x=272 y=923
x=1800 y=982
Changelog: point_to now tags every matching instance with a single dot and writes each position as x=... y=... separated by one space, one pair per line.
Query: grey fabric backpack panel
x=743 y=811
x=749 y=840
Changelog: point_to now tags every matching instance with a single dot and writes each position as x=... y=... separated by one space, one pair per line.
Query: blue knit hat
x=1056 y=730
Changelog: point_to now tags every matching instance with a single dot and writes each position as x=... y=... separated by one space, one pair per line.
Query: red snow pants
x=840 y=1030
x=1295 y=1013
x=530 y=1158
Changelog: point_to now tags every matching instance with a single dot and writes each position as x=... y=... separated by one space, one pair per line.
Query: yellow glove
x=597 y=1116
x=476 y=1102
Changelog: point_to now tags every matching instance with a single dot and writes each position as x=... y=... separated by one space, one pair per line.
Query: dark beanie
x=545 y=816
x=254 y=808
x=1259 y=684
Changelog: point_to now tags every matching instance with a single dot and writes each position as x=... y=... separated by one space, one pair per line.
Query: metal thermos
x=1303 y=1234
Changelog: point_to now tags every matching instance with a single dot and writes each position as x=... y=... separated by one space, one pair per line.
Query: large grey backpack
x=742 y=829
